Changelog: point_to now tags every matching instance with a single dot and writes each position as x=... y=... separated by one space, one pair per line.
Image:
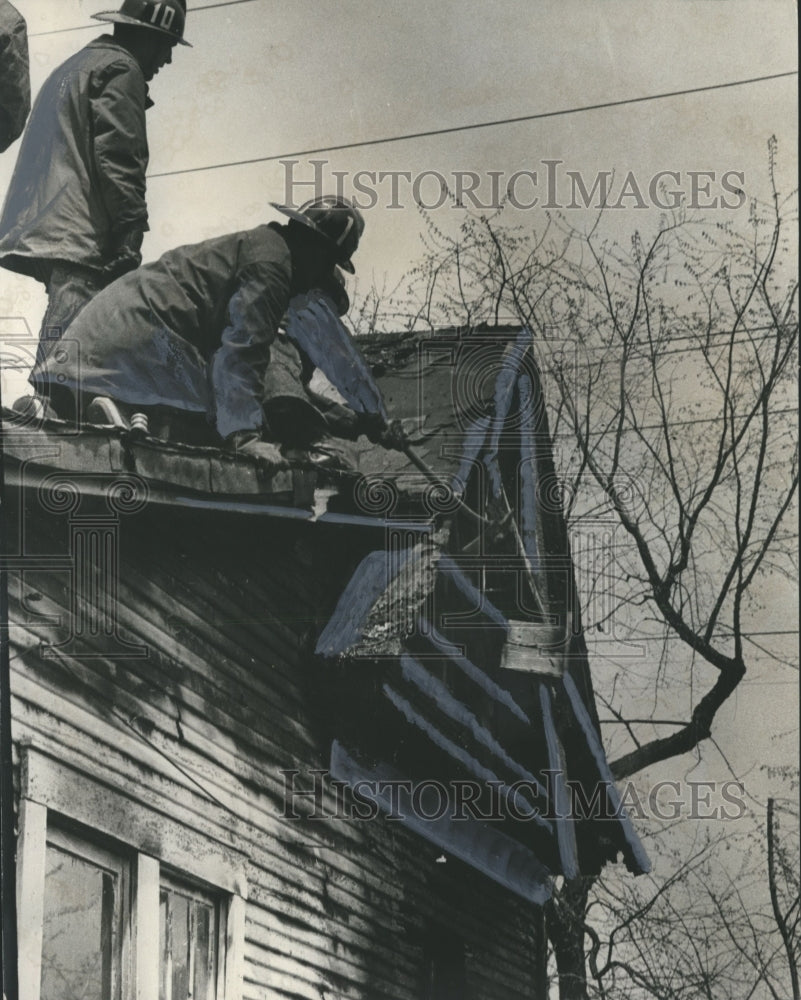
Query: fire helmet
x=334 y=218
x=165 y=16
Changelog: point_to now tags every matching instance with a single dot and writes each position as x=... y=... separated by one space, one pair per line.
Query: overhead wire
x=468 y=127
x=659 y=427
x=538 y=116
x=472 y=126
x=634 y=356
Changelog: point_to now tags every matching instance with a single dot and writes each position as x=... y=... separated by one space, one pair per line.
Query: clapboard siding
x=198 y=731
x=286 y=937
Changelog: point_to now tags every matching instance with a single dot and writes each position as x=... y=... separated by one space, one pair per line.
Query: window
x=87 y=931
x=188 y=933
x=85 y=898
x=101 y=918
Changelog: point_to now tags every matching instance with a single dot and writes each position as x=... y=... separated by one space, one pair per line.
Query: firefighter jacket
x=80 y=175
x=191 y=331
x=15 y=81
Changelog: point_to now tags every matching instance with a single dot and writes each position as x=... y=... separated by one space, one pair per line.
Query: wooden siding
x=198 y=731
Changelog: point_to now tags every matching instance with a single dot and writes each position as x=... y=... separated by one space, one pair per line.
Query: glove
x=125 y=254
x=268 y=456
x=372 y=425
x=391 y=435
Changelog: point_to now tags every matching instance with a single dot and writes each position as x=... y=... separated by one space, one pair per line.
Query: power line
x=222 y=3
x=86 y=27
x=657 y=356
x=669 y=424
x=644 y=722
x=512 y=320
x=473 y=126
x=642 y=355
x=784 y=631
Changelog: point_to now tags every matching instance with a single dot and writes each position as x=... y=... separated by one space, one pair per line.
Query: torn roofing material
x=465 y=648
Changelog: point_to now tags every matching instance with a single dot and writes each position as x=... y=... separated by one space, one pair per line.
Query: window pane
x=203 y=921
x=188 y=935
x=81 y=933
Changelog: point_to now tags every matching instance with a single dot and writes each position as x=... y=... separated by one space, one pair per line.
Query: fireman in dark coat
x=15 y=81
x=193 y=331
x=75 y=212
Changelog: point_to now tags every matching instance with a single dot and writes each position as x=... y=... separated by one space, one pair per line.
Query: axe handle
x=433 y=478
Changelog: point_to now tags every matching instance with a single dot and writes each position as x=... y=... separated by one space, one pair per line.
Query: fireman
x=192 y=332
x=75 y=213
x=15 y=81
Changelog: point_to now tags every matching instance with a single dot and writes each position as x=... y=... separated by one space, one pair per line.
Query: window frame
x=103 y=857
x=56 y=796
x=179 y=884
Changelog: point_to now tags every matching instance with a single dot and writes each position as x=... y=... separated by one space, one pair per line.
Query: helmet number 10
x=167 y=14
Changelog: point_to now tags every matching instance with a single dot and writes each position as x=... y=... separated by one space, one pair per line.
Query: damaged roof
x=455 y=651
x=461 y=652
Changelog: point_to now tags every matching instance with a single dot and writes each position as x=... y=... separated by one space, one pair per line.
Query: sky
x=264 y=81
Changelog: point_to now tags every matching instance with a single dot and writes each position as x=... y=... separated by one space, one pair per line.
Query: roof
x=455 y=652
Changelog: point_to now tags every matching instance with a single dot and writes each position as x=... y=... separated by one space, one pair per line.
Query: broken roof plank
x=471 y=765
x=503 y=859
x=566 y=834
x=638 y=855
x=344 y=628
x=437 y=692
x=474 y=673
x=528 y=474
x=479 y=600
x=505 y=385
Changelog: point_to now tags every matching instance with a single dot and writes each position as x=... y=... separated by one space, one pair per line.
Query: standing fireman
x=75 y=213
x=15 y=81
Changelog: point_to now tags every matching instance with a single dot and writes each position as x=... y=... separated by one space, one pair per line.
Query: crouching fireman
x=190 y=339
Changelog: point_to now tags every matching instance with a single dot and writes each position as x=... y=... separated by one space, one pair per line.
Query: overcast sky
x=265 y=79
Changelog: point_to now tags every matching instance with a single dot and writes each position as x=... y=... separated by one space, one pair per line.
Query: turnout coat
x=191 y=331
x=80 y=173
x=15 y=83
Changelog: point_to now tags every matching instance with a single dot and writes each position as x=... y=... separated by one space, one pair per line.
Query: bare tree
x=785 y=889
x=708 y=930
